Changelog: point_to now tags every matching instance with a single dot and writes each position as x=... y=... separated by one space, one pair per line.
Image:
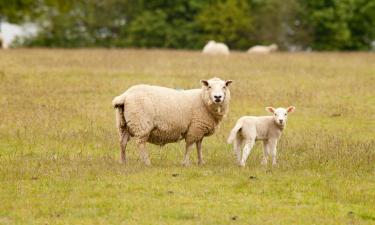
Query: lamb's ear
x=204 y=83
x=290 y=109
x=228 y=82
x=270 y=109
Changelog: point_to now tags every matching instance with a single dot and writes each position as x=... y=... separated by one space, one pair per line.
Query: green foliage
x=341 y=24
x=227 y=21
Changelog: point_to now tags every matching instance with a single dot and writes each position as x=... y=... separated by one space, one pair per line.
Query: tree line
x=189 y=24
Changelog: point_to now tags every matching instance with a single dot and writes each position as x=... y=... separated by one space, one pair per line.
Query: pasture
x=59 y=145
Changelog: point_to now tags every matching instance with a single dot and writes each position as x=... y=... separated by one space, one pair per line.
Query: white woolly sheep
x=215 y=48
x=263 y=49
x=161 y=115
x=268 y=129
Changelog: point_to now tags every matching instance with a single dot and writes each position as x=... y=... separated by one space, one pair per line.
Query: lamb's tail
x=234 y=132
x=118 y=103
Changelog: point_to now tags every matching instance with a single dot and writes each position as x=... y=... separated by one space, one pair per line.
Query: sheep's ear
x=290 y=109
x=204 y=83
x=228 y=82
x=270 y=109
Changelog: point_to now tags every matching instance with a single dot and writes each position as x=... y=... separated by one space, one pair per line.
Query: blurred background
x=295 y=25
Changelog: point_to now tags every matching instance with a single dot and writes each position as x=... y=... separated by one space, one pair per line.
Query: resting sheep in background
x=263 y=49
x=162 y=115
x=248 y=129
x=215 y=48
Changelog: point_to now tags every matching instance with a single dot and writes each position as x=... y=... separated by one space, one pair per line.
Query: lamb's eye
x=285 y=114
x=209 y=87
x=275 y=114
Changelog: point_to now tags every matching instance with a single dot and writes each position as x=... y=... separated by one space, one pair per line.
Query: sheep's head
x=280 y=115
x=216 y=90
x=273 y=47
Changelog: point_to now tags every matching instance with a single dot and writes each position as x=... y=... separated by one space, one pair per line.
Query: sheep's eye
x=209 y=87
x=285 y=114
x=275 y=114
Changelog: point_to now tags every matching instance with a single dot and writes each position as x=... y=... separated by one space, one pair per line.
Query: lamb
x=161 y=115
x=215 y=48
x=263 y=49
x=249 y=129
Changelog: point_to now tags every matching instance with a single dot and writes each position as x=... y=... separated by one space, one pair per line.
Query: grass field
x=59 y=146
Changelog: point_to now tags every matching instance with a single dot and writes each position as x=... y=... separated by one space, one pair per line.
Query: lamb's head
x=280 y=115
x=216 y=90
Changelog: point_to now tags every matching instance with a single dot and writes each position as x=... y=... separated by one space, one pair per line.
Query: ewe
x=263 y=49
x=162 y=115
x=215 y=48
x=249 y=129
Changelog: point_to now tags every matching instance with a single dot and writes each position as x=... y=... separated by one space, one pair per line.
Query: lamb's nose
x=281 y=121
x=218 y=96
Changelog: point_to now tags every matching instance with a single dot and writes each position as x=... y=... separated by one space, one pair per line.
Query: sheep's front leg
x=272 y=150
x=143 y=153
x=199 y=152
x=246 y=151
x=186 y=161
x=265 y=153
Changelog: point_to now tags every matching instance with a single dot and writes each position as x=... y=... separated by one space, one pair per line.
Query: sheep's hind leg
x=124 y=137
x=186 y=161
x=199 y=152
x=246 y=151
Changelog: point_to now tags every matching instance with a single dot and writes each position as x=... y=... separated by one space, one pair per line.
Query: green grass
x=59 y=146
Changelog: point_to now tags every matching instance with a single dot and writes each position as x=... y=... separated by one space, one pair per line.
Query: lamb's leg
x=124 y=137
x=186 y=161
x=246 y=151
x=237 y=148
x=143 y=152
x=199 y=152
x=265 y=152
x=272 y=150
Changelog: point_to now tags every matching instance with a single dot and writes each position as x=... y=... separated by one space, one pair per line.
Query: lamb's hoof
x=275 y=164
x=147 y=163
x=264 y=162
x=201 y=163
x=186 y=164
x=242 y=164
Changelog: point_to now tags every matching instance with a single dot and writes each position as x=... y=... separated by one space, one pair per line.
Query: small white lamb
x=215 y=48
x=249 y=129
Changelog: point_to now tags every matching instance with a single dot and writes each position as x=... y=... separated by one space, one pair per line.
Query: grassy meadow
x=59 y=146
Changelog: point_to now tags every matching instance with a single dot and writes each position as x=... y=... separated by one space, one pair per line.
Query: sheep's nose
x=281 y=121
x=217 y=98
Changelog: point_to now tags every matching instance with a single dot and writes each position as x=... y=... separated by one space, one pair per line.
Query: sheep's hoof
x=186 y=163
x=122 y=161
x=201 y=163
x=264 y=162
x=275 y=164
x=242 y=164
